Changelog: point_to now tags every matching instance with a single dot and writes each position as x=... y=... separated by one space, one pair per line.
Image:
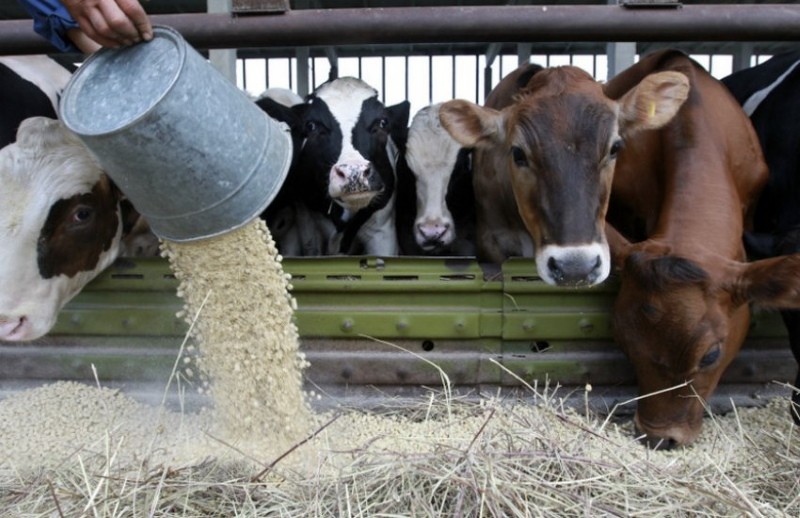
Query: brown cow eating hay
x=681 y=196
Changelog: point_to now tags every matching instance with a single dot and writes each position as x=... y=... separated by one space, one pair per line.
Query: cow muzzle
x=666 y=437
x=15 y=328
x=574 y=266
x=354 y=185
x=432 y=234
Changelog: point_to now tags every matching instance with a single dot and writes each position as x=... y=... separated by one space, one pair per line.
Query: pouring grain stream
x=247 y=339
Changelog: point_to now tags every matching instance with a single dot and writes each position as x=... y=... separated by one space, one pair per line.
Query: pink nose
x=12 y=328
x=347 y=171
x=433 y=231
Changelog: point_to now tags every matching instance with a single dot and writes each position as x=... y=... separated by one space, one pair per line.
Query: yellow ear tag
x=652 y=111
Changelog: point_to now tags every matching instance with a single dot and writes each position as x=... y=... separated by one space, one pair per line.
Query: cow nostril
x=598 y=263
x=659 y=443
x=553 y=266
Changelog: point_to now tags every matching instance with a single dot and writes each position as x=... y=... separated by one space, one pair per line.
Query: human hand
x=111 y=23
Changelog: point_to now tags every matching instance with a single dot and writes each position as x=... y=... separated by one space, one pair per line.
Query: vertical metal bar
x=477 y=78
x=430 y=78
x=383 y=78
x=312 y=86
x=291 y=83
x=405 y=92
x=487 y=83
x=453 y=76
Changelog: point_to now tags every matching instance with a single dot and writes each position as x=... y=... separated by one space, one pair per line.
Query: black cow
x=770 y=94
x=340 y=190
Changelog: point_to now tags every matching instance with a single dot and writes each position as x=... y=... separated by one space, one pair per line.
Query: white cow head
x=432 y=154
x=60 y=225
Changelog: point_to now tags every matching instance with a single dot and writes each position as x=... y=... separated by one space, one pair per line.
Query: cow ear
x=277 y=111
x=773 y=282
x=398 y=125
x=471 y=125
x=653 y=102
x=42 y=133
x=399 y=113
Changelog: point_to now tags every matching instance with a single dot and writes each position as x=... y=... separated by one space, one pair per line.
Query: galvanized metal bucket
x=191 y=151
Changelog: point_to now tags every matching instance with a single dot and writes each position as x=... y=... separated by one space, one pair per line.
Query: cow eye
x=711 y=357
x=82 y=214
x=311 y=127
x=380 y=124
x=520 y=160
x=615 y=148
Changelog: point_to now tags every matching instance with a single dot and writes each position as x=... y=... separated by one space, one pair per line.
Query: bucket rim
x=79 y=77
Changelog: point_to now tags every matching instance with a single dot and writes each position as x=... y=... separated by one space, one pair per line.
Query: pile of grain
x=439 y=457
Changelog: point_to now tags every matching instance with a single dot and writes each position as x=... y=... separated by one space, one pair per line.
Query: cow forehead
x=567 y=117
x=344 y=98
x=430 y=148
x=33 y=179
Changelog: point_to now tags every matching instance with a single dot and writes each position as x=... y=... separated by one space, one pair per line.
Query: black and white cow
x=343 y=168
x=61 y=224
x=435 y=198
x=297 y=230
x=62 y=220
x=770 y=95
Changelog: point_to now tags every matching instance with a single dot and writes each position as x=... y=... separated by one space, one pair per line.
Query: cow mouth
x=357 y=200
x=13 y=329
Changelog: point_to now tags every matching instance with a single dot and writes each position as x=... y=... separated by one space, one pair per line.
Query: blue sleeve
x=52 y=21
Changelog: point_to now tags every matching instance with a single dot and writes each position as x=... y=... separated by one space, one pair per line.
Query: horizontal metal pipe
x=484 y=24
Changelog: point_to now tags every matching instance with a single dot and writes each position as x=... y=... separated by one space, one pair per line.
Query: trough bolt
x=585 y=325
x=460 y=325
x=528 y=325
x=347 y=325
x=402 y=324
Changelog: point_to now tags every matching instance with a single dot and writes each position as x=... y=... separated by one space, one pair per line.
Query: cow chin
x=355 y=201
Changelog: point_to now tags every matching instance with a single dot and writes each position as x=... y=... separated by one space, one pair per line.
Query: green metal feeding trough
x=379 y=325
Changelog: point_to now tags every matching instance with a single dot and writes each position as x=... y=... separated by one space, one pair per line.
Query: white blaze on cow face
x=59 y=226
x=350 y=180
x=431 y=154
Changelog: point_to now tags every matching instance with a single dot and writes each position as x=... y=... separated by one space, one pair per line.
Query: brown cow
x=683 y=192
x=545 y=146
